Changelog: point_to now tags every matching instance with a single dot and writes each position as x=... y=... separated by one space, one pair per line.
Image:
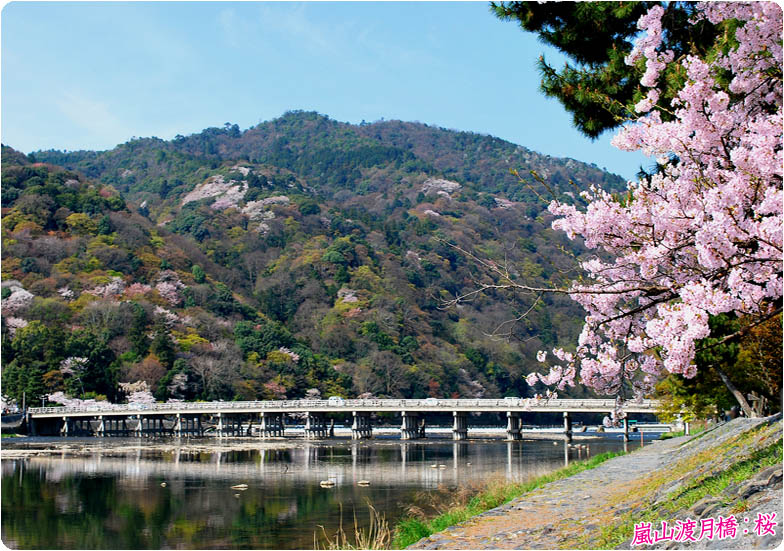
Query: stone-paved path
x=533 y=521
x=555 y=515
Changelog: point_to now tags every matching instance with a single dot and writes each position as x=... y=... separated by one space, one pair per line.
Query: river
x=141 y=494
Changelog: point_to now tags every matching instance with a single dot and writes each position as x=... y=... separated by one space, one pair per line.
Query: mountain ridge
x=300 y=255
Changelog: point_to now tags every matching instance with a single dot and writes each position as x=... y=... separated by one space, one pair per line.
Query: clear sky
x=90 y=75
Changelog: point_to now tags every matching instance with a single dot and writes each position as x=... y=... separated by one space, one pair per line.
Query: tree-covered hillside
x=298 y=256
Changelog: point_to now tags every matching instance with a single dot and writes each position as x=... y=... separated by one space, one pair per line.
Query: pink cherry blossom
x=19 y=299
x=169 y=286
x=115 y=287
x=701 y=237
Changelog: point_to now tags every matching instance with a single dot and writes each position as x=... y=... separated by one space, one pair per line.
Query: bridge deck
x=430 y=405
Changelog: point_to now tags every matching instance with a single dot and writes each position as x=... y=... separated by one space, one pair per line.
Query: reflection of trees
x=118 y=502
x=71 y=514
x=82 y=512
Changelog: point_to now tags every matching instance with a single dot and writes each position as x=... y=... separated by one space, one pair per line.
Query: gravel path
x=561 y=513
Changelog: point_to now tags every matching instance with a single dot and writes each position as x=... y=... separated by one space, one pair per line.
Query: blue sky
x=91 y=75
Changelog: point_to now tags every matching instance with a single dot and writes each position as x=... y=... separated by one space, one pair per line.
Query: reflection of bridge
x=311 y=462
x=267 y=419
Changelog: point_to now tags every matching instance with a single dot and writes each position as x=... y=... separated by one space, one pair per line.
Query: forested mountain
x=300 y=254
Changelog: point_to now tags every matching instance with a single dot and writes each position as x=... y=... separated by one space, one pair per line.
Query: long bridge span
x=267 y=419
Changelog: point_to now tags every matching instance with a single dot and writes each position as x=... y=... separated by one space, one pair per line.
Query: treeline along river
x=144 y=494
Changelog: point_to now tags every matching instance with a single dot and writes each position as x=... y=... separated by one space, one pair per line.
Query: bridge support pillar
x=66 y=425
x=271 y=425
x=409 y=427
x=625 y=429
x=114 y=426
x=315 y=426
x=101 y=426
x=459 y=425
x=361 y=426
x=514 y=424
x=567 y=426
x=229 y=425
x=193 y=425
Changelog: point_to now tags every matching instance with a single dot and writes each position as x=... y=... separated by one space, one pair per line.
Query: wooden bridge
x=267 y=419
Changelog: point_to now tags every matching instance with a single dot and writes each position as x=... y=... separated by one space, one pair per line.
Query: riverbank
x=733 y=469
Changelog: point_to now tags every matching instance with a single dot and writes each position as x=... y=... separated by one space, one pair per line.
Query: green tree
x=163 y=347
x=137 y=332
x=100 y=375
x=104 y=225
x=308 y=207
x=728 y=372
x=599 y=88
x=34 y=351
x=198 y=274
x=261 y=338
x=81 y=224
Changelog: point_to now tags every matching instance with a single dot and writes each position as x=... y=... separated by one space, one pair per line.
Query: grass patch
x=410 y=530
x=376 y=536
x=710 y=485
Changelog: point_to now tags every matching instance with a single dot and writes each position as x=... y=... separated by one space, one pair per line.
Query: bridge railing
x=338 y=404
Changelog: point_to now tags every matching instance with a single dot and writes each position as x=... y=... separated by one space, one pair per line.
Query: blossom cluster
x=287 y=352
x=257 y=210
x=138 y=392
x=66 y=293
x=13 y=324
x=700 y=237
x=18 y=300
x=168 y=317
x=73 y=365
x=169 y=287
x=137 y=289
x=275 y=389
x=60 y=398
x=218 y=187
x=439 y=184
x=115 y=287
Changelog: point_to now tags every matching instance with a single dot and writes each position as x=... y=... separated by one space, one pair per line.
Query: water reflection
x=183 y=497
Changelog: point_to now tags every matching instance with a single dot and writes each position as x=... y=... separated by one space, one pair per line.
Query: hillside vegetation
x=301 y=257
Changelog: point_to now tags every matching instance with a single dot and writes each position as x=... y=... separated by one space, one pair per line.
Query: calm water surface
x=125 y=495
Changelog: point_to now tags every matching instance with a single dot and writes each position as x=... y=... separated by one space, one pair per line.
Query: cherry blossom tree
x=702 y=235
x=18 y=300
x=75 y=367
x=66 y=401
x=170 y=287
x=138 y=392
